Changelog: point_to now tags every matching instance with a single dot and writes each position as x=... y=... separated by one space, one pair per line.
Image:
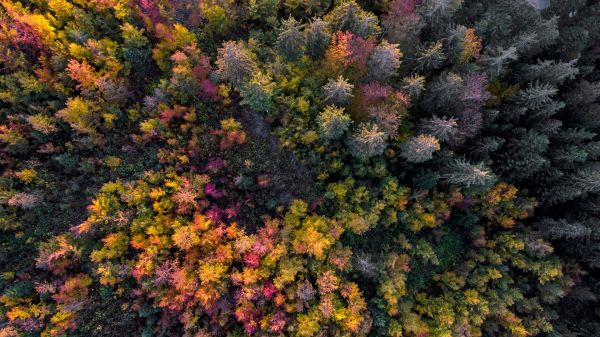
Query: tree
x=435 y=10
x=413 y=85
x=444 y=90
x=443 y=128
x=431 y=57
x=318 y=37
x=401 y=24
x=485 y=146
x=420 y=148
x=475 y=92
x=536 y=95
x=235 y=64
x=384 y=61
x=257 y=93
x=387 y=117
x=338 y=91
x=497 y=59
x=291 y=40
x=349 y=16
x=470 y=46
x=524 y=154
x=468 y=175
x=554 y=229
x=333 y=122
x=367 y=141
x=82 y=115
x=552 y=72
x=264 y=10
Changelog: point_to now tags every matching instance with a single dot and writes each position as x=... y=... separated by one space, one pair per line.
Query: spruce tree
x=235 y=63
x=318 y=37
x=338 y=91
x=333 y=122
x=367 y=141
x=420 y=148
x=291 y=39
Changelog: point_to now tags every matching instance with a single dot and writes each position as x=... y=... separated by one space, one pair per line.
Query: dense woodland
x=208 y=168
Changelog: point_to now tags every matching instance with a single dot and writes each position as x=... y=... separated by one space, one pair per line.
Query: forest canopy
x=208 y=168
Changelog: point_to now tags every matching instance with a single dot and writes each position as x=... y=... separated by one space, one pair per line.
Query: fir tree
x=444 y=91
x=552 y=72
x=563 y=229
x=497 y=59
x=435 y=10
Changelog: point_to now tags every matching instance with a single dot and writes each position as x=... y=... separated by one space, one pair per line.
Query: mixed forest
x=304 y=168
